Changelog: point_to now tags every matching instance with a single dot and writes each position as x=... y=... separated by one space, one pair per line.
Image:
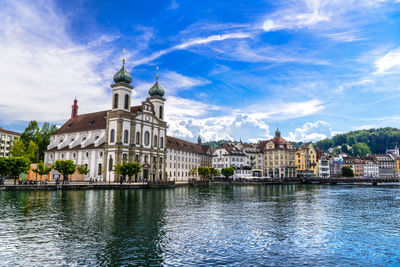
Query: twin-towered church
x=102 y=139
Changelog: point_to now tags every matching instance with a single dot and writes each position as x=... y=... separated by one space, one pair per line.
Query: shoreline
x=173 y=184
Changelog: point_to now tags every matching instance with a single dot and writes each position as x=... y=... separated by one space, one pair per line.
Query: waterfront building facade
x=306 y=161
x=279 y=157
x=183 y=159
x=386 y=166
x=229 y=155
x=323 y=167
x=254 y=159
x=100 y=140
x=6 y=141
x=335 y=167
x=370 y=168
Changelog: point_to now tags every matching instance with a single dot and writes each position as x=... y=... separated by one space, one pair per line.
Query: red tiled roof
x=88 y=122
x=177 y=143
x=9 y=132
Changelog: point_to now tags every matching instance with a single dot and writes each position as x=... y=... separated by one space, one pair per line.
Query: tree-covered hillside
x=374 y=141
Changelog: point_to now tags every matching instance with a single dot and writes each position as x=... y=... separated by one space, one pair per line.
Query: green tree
x=46 y=130
x=204 y=171
x=18 y=148
x=83 y=169
x=347 y=171
x=118 y=170
x=17 y=165
x=345 y=149
x=41 y=137
x=4 y=169
x=227 y=171
x=360 y=149
x=214 y=172
x=31 y=133
x=131 y=168
x=193 y=171
x=65 y=167
x=44 y=169
x=31 y=151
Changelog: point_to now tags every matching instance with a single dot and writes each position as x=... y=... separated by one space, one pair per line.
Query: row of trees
x=210 y=172
x=127 y=169
x=33 y=141
x=13 y=167
x=362 y=142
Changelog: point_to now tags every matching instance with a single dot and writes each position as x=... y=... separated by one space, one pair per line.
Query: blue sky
x=231 y=70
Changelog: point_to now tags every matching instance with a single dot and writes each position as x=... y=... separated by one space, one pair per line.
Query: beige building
x=306 y=161
x=6 y=141
x=279 y=157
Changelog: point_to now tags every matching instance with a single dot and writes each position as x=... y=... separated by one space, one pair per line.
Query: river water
x=284 y=225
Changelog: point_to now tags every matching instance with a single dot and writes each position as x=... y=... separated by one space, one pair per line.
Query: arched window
x=126 y=101
x=161 y=112
x=124 y=157
x=115 y=101
x=162 y=142
x=146 y=138
x=155 y=141
x=137 y=138
x=137 y=158
x=110 y=164
x=126 y=135
x=112 y=136
x=99 y=169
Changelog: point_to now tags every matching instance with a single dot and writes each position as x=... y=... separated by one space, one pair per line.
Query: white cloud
x=190 y=43
x=324 y=15
x=285 y=110
x=42 y=69
x=311 y=132
x=188 y=118
x=390 y=61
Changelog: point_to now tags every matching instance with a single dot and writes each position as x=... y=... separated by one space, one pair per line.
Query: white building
x=228 y=155
x=183 y=158
x=6 y=141
x=370 y=168
x=323 y=167
x=100 y=140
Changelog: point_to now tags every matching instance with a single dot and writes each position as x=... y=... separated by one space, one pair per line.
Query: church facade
x=100 y=140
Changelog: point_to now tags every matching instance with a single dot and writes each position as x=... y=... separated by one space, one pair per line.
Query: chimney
x=75 y=107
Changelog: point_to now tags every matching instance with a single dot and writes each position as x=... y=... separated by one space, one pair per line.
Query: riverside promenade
x=9 y=185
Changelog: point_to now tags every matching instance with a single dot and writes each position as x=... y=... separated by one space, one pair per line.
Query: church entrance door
x=145 y=175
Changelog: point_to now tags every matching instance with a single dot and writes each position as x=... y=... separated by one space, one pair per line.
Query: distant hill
x=377 y=140
x=215 y=144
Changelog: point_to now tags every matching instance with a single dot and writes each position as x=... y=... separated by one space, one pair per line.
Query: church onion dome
x=156 y=90
x=122 y=76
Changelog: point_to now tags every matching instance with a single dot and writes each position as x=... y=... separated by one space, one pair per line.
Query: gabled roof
x=176 y=143
x=9 y=132
x=277 y=140
x=88 y=122
x=231 y=149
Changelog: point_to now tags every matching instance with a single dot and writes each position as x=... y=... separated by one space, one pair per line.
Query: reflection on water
x=270 y=225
